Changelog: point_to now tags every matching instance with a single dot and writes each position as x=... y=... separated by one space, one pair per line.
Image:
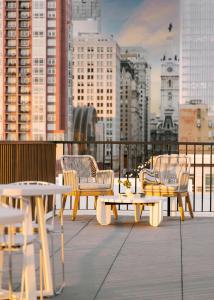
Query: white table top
x=15 y=190
x=135 y=198
x=10 y=215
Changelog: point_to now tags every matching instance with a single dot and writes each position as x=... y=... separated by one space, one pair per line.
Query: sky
x=143 y=23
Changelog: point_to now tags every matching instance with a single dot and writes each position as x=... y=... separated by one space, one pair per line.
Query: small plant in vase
x=127 y=184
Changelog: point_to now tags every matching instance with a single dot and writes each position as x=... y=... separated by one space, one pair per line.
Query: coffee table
x=104 y=203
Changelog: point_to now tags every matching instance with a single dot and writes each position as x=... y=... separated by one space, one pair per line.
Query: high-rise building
x=130 y=117
x=35 y=70
x=142 y=72
x=86 y=16
x=96 y=80
x=197 y=52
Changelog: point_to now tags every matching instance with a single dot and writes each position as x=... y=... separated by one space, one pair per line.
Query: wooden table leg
x=137 y=212
x=103 y=213
x=156 y=214
x=48 y=282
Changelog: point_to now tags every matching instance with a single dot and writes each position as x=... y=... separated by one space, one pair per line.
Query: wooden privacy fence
x=27 y=161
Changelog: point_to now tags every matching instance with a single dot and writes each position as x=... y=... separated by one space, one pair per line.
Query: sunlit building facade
x=35 y=70
x=130 y=117
x=96 y=82
x=142 y=74
x=197 y=52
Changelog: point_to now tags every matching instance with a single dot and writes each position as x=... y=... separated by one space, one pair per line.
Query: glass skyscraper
x=86 y=16
x=86 y=9
x=197 y=52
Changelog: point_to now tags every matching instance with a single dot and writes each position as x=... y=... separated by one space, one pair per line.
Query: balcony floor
x=136 y=261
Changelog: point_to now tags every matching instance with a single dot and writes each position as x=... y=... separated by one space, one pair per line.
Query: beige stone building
x=195 y=123
x=96 y=81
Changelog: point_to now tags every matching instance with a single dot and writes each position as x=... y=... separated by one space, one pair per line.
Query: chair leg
x=95 y=202
x=53 y=262
x=64 y=198
x=76 y=204
x=141 y=210
x=114 y=209
x=41 y=274
x=180 y=206
x=188 y=202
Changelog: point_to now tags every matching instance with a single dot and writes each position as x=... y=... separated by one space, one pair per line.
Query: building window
x=209 y=182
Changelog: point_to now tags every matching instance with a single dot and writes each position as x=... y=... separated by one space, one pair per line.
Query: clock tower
x=169 y=82
x=165 y=127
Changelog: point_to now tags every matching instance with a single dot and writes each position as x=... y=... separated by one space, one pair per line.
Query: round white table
x=36 y=191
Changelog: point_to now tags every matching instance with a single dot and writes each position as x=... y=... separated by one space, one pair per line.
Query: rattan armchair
x=82 y=174
x=168 y=178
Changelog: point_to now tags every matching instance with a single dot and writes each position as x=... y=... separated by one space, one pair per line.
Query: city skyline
x=143 y=23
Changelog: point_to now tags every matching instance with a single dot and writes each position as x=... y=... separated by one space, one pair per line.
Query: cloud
x=116 y=12
x=147 y=27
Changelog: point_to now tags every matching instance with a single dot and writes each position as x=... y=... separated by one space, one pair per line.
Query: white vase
x=128 y=191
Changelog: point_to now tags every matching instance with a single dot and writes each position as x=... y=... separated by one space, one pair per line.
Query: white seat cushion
x=94 y=186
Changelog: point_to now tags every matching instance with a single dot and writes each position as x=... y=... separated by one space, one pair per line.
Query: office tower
x=197 y=52
x=86 y=16
x=130 y=117
x=96 y=82
x=142 y=71
x=35 y=70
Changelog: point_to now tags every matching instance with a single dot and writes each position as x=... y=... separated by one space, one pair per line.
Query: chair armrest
x=105 y=176
x=71 y=178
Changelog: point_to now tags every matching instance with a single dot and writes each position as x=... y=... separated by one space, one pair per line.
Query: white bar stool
x=11 y=242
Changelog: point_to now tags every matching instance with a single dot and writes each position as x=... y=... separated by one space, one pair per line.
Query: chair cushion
x=158 y=190
x=150 y=178
x=94 y=186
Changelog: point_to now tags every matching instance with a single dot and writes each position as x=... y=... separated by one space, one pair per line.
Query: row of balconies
x=22 y=90
x=11 y=16
x=13 y=128
x=22 y=98
x=23 y=70
x=19 y=137
x=22 y=34
x=13 y=74
x=11 y=43
x=22 y=53
x=12 y=108
x=22 y=62
x=10 y=81
x=11 y=6
x=12 y=99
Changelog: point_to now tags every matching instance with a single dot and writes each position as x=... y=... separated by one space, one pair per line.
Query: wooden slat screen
x=27 y=161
